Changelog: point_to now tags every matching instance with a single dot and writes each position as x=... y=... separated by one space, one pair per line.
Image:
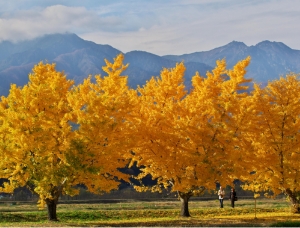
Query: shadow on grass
x=22 y=217
x=286 y=224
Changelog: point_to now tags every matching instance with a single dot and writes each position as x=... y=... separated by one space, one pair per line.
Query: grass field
x=157 y=213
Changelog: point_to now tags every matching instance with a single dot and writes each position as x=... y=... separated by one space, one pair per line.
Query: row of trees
x=55 y=135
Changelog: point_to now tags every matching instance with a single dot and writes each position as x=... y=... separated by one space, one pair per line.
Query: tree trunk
x=52 y=202
x=51 y=207
x=184 y=199
x=295 y=208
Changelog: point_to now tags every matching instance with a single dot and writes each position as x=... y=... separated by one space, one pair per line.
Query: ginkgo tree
x=272 y=140
x=213 y=110
x=185 y=139
x=36 y=136
x=40 y=147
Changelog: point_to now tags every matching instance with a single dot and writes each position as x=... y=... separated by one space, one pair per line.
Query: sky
x=160 y=27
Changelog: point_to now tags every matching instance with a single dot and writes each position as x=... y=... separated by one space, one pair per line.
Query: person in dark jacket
x=232 y=197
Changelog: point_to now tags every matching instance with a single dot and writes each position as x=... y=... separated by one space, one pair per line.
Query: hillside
x=79 y=58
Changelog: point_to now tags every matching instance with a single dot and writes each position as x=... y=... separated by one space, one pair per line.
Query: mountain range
x=79 y=58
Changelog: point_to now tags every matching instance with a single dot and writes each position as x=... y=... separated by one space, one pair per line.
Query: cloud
x=161 y=27
x=28 y=24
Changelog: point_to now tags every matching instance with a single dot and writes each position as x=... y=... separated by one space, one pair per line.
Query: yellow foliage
x=38 y=145
x=54 y=135
x=35 y=135
x=101 y=109
x=184 y=140
x=271 y=138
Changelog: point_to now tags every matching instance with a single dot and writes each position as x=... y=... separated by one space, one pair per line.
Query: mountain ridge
x=269 y=59
x=79 y=58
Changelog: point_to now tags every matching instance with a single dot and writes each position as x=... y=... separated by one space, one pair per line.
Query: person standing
x=232 y=197
x=221 y=194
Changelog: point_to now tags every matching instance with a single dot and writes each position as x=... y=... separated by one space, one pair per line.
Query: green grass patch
x=165 y=214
